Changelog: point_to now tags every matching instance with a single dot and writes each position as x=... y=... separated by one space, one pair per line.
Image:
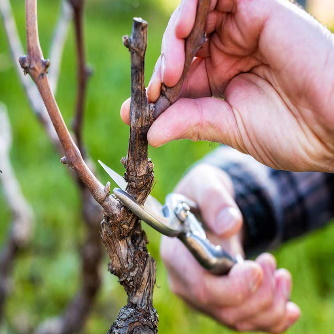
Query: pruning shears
x=176 y=218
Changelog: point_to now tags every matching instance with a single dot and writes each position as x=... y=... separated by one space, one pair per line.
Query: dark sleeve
x=276 y=205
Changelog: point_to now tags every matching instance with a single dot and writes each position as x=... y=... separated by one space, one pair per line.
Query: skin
x=255 y=294
x=263 y=83
x=274 y=66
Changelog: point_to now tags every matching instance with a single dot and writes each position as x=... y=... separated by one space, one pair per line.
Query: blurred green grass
x=46 y=275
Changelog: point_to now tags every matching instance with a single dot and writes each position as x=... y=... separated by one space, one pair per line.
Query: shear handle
x=213 y=258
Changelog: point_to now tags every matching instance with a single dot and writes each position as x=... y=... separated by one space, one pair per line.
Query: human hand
x=272 y=64
x=254 y=295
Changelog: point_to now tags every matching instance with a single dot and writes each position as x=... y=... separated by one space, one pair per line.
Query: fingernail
x=163 y=67
x=226 y=220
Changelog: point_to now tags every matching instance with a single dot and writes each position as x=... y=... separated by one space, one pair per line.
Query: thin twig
x=21 y=227
x=32 y=93
x=57 y=44
x=83 y=71
x=193 y=43
x=37 y=66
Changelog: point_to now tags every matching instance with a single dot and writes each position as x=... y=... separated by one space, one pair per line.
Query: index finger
x=186 y=18
x=201 y=288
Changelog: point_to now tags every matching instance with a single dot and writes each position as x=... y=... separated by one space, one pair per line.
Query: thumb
x=212 y=189
x=205 y=118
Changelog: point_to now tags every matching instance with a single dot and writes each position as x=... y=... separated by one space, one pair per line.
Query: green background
x=46 y=274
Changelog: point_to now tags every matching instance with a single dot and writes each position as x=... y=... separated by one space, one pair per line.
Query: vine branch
x=193 y=43
x=36 y=66
x=30 y=89
x=126 y=243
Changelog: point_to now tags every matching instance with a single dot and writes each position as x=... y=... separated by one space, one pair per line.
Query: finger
x=185 y=18
x=185 y=275
x=292 y=315
x=154 y=86
x=212 y=190
x=195 y=85
x=275 y=315
x=202 y=289
x=201 y=119
x=281 y=315
x=125 y=111
x=292 y=311
x=172 y=54
x=287 y=323
x=187 y=14
x=235 y=288
x=258 y=302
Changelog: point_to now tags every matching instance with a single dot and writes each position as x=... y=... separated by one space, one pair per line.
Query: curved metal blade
x=152 y=218
x=151 y=202
x=118 y=179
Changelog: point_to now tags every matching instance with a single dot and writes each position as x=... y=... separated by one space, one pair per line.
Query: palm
x=272 y=64
x=272 y=99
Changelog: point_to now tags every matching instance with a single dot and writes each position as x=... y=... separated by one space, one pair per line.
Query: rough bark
x=124 y=238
